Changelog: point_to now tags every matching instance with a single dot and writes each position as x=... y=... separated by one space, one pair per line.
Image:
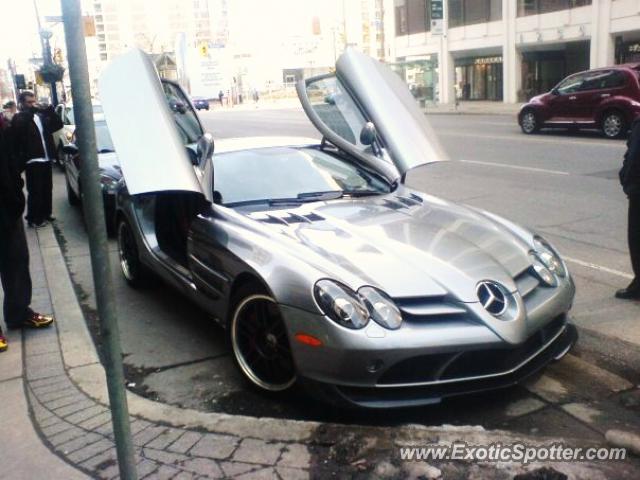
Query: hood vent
x=400 y=202
x=290 y=218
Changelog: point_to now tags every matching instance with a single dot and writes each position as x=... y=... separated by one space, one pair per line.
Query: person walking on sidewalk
x=34 y=146
x=630 y=180
x=14 y=253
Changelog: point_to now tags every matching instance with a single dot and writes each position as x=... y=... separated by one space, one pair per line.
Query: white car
x=63 y=136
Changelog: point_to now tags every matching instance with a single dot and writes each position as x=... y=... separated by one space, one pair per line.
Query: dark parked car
x=110 y=173
x=200 y=103
x=606 y=98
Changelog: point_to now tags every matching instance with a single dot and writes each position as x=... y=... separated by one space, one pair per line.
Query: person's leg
x=634 y=238
x=37 y=193
x=14 y=273
x=47 y=188
x=31 y=195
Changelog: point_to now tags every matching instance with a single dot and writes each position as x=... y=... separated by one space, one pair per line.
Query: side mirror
x=204 y=148
x=368 y=134
x=70 y=149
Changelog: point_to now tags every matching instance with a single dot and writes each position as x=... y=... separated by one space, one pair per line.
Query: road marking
x=598 y=267
x=516 y=167
x=534 y=138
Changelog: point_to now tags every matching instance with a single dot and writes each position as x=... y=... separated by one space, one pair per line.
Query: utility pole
x=94 y=214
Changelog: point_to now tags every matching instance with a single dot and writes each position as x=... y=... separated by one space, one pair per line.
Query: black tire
x=529 y=123
x=259 y=341
x=613 y=124
x=72 y=198
x=133 y=271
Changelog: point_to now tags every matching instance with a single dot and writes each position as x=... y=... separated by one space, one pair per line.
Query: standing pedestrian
x=33 y=141
x=9 y=109
x=14 y=253
x=630 y=180
x=221 y=97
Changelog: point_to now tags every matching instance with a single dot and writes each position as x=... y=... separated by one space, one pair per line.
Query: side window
x=335 y=107
x=603 y=80
x=68 y=117
x=615 y=79
x=571 y=84
x=186 y=119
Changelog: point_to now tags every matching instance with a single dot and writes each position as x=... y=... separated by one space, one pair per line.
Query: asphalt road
x=563 y=185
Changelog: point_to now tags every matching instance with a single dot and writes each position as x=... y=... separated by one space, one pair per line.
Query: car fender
x=621 y=103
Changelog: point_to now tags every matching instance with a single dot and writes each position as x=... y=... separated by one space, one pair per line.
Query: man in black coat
x=630 y=180
x=33 y=129
x=14 y=253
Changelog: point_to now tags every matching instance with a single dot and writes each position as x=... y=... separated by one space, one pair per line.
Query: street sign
x=437 y=17
x=437 y=10
x=204 y=49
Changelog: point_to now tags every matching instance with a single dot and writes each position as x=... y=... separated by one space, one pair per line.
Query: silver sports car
x=325 y=269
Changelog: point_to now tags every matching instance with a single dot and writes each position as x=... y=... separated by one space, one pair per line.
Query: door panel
x=150 y=147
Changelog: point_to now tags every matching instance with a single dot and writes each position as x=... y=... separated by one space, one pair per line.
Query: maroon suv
x=605 y=98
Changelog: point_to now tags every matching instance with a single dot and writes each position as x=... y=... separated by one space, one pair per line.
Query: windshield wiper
x=308 y=197
x=300 y=198
x=362 y=193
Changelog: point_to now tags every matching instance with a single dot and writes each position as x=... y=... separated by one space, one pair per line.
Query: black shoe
x=629 y=293
x=43 y=223
x=51 y=218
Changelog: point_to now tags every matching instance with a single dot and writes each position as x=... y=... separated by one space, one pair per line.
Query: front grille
x=526 y=282
x=432 y=309
x=471 y=363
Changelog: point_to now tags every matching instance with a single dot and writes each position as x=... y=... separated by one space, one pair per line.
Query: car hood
x=409 y=245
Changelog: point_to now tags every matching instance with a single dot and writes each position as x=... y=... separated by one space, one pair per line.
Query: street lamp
x=46 y=35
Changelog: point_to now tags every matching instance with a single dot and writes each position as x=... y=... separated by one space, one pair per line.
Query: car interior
x=173 y=214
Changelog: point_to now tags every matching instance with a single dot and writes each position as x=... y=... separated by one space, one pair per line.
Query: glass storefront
x=479 y=78
x=542 y=70
x=421 y=76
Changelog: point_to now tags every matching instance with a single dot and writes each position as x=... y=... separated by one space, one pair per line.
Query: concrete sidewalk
x=56 y=421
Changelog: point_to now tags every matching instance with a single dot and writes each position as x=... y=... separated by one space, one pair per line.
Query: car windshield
x=297 y=174
x=103 y=138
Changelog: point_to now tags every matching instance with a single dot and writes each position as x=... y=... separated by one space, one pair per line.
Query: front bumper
x=375 y=397
x=427 y=360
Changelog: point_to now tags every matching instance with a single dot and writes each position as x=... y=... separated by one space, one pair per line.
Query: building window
x=401 y=17
x=412 y=16
x=536 y=7
x=469 y=12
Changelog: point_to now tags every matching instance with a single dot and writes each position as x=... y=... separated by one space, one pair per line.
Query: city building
x=507 y=50
x=154 y=25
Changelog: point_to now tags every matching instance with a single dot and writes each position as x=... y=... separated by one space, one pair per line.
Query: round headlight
x=382 y=309
x=542 y=271
x=549 y=257
x=341 y=304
